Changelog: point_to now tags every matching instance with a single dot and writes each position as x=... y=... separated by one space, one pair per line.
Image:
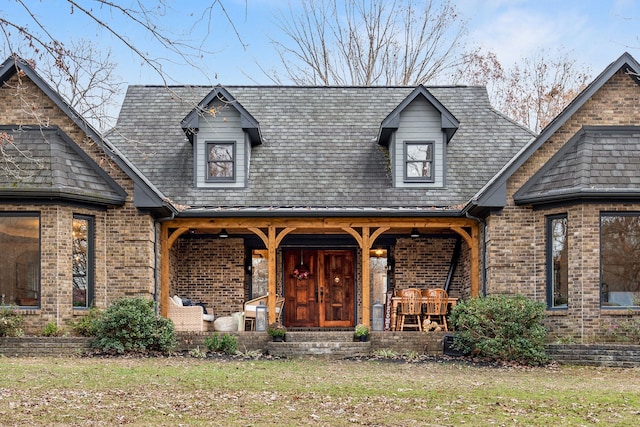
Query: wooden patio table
x=451 y=302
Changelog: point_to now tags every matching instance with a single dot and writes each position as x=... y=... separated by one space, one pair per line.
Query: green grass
x=184 y=391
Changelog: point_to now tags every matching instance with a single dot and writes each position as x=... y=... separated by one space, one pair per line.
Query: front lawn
x=187 y=391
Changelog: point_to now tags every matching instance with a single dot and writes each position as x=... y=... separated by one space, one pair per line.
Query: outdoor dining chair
x=437 y=306
x=410 y=308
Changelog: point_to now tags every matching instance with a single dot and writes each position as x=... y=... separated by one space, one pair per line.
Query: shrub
x=501 y=327
x=51 y=329
x=226 y=343
x=623 y=331
x=85 y=326
x=131 y=325
x=10 y=321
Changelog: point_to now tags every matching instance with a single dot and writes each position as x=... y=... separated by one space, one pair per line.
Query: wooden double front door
x=326 y=297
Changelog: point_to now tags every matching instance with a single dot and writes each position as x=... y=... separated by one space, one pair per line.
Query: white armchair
x=186 y=318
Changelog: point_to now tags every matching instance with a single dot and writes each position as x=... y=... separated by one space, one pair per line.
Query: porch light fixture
x=223 y=234
x=377 y=321
x=261 y=317
x=415 y=233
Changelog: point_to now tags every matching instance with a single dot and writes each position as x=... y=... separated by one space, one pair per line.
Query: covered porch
x=213 y=259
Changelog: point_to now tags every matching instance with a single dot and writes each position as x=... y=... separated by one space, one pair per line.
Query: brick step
x=324 y=336
x=325 y=349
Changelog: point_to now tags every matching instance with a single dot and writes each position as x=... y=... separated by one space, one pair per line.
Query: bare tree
x=532 y=91
x=87 y=82
x=375 y=42
x=79 y=70
x=82 y=73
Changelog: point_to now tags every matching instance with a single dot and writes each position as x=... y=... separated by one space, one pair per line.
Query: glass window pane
x=220 y=152
x=558 y=263
x=378 y=274
x=418 y=152
x=418 y=170
x=620 y=260
x=80 y=262
x=259 y=273
x=419 y=161
x=220 y=161
x=20 y=260
x=221 y=170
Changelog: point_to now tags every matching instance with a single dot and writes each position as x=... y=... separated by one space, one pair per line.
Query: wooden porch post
x=166 y=242
x=366 y=277
x=474 y=247
x=164 y=269
x=271 y=280
x=365 y=240
x=271 y=240
x=475 y=260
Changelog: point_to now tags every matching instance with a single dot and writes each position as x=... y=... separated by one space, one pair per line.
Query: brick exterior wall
x=515 y=238
x=124 y=238
x=210 y=270
x=424 y=262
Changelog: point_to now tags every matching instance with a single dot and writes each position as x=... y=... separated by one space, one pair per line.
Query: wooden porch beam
x=272 y=240
x=322 y=223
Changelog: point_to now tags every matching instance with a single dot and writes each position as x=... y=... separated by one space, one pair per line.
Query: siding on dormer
x=420 y=121
x=225 y=126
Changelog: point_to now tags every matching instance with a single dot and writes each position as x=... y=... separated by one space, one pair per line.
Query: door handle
x=321 y=295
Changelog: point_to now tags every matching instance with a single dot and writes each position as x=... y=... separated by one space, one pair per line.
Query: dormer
x=222 y=133
x=416 y=134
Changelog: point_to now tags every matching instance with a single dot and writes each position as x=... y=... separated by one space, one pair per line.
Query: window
x=378 y=274
x=620 y=259
x=557 y=262
x=259 y=273
x=20 y=259
x=221 y=161
x=82 y=264
x=418 y=161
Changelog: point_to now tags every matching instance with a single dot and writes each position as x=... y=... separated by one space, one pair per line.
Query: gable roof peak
x=392 y=121
x=495 y=189
x=190 y=124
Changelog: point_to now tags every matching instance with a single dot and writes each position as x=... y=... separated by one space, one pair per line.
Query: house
x=329 y=196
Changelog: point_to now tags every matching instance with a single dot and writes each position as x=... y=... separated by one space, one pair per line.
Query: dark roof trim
x=190 y=123
x=58 y=195
x=11 y=66
x=391 y=123
x=581 y=197
x=317 y=213
x=484 y=198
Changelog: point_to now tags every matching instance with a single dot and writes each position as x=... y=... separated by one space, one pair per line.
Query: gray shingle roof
x=599 y=161
x=319 y=147
x=51 y=165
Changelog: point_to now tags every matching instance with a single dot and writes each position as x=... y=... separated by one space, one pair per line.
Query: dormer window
x=221 y=161
x=418 y=157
